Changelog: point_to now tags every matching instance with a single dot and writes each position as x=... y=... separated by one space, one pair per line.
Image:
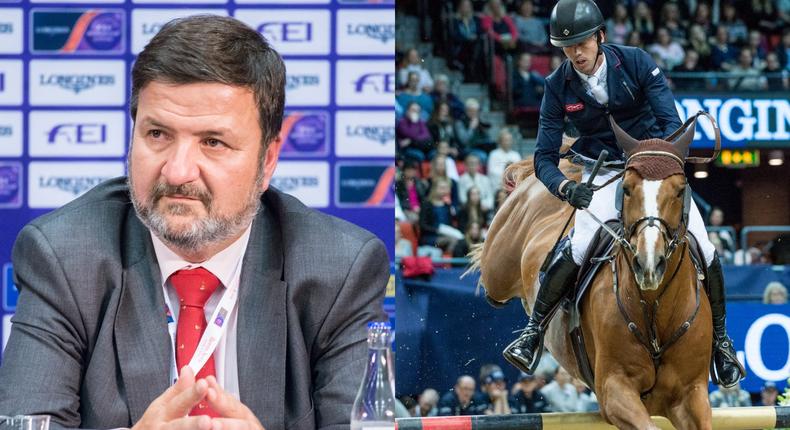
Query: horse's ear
x=684 y=141
x=627 y=143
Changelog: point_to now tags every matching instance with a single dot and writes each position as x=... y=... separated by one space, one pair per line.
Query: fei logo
x=11 y=31
x=77 y=133
x=365 y=185
x=307 y=83
x=10 y=82
x=77 y=82
x=147 y=22
x=10 y=184
x=365 y=32
x=365 y=133
x=305 y=133
x=365 y=83
x=10 y=133
x=78 y=31
x=52 y=184
x=308 y=181
x=291 y=31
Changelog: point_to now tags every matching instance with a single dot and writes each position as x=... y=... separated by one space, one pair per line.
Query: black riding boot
x=728 y=369
x=524 y=352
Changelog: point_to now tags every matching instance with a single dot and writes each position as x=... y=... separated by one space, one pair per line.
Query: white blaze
x=650 y=207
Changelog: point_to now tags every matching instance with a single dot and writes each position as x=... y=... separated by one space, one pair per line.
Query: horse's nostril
x=637 y=266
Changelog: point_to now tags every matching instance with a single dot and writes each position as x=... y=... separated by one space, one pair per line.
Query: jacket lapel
x=141 y=337
x=614 y=79
x=262 y=320
x=576 y=86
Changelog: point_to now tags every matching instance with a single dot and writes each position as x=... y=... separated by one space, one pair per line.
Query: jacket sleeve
x=547 y=154
x=657 y=93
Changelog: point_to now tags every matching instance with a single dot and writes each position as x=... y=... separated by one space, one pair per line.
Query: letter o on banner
x=754 y=353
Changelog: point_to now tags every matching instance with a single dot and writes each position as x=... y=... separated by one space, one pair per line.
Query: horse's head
x=654 y=201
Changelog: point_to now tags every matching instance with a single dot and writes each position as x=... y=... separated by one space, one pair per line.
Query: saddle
x=599 y=253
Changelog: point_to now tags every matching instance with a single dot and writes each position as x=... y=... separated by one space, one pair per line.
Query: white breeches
x=603 y=207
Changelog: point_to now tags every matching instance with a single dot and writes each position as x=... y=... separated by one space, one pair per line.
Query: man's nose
x=181 y=166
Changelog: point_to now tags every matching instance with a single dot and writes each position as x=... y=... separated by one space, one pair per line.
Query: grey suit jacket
x=89 y=342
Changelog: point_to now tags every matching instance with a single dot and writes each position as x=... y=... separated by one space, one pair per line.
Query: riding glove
x=578 y=194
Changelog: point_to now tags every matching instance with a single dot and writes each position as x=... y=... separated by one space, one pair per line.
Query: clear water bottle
x=374 y=406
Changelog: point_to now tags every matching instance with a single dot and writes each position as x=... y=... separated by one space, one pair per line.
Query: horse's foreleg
x=621 y=405
x=693 y=411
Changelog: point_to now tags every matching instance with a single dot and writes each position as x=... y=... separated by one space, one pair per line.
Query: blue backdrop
x=64 y=85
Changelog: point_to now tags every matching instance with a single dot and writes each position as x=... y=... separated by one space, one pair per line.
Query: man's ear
x=270 y=161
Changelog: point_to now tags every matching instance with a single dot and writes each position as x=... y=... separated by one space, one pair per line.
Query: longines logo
x=73 y=184
x=381 y=32
x=378 y=134
x=293 y=82
x=289 y=184
x=77 y=83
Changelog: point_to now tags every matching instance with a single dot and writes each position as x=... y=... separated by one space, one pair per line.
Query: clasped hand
x=169 y=411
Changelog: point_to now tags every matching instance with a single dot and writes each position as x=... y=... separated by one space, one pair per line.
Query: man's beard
x=202 y=232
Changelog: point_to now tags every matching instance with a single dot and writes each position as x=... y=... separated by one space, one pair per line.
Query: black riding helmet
x=572 y=21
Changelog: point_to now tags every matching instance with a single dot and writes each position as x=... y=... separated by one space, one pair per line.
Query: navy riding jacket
x=639 y=100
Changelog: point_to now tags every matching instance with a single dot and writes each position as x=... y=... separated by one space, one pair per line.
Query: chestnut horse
x=659 y=368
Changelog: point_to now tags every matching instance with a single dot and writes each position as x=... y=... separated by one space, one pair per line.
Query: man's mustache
x=187 y=190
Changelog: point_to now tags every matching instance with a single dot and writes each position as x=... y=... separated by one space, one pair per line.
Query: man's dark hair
x=209 y=48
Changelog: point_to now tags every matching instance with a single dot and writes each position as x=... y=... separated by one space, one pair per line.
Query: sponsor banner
x=53 y=184
x=365 y=184
x=743 y=121
x=365 y=83
x=281 y=1
x=10 y=133
x=10 y=292
x=77 y=31
x=308 y=181
x=305 y=133
x=147 y=22
x=11 y=31
x=365 y=134
x=10 y=82
x=77 y=82
x=176 y=2
x=291 y=31
x=10 y=184
x=365 y=32
x=366 y=2
x=307 y=83
x=77 y=133
x=81 y=1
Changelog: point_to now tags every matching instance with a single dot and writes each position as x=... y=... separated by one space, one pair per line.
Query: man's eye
x=214 y=143
x=156 y=134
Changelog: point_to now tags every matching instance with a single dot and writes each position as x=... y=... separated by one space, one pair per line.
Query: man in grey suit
x=277 y=338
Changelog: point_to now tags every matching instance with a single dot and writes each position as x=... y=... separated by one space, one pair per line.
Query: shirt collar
x=600 y=73
x=222 y=264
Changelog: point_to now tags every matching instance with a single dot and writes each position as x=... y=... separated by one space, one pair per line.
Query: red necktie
x=194 y=287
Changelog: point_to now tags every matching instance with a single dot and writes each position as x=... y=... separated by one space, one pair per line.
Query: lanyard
x=214 y=331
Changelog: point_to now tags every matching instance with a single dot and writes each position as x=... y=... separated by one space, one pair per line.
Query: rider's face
x=583 y=55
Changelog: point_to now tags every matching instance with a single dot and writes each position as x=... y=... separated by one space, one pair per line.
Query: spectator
x=736 y=29
x=472 y=133
x=403 y=246
x=443 y=148
x=441 y=94
x=703 y=19
x=437 y=217
x=527 y=85
x=460 y=400
x=411 y=190
x=669 y=51
x=501 y=157
x=757 y=45
x=763 y=15
x=499 y=200
x=721 y=239
x=532 y=35
x=775 y=294
x=730 y=397
x=587 y=401
x=466 y=34
x=643 y=23
x=528 y=399
x=428 y=402
x=619 y=26
x=746 y=77
x=414 y=94
x=776 y=77
x=473 y=178
x=769 y=394
x=698 y=41
x=783 y=50
x=494 y=393
x=500 y=28
x=690 y=65
x=473 y=235
x=555 y=62
x=442 y=127
x=413 y=63
x=414 y=139
x=560 y=393
x=723 y=53
x=439 y=170
x=472 y=211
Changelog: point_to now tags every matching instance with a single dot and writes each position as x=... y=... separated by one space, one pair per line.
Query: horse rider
x=597 y=80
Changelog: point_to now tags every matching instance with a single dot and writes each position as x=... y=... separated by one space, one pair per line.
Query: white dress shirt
x=224 y=266
x=597 y=79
